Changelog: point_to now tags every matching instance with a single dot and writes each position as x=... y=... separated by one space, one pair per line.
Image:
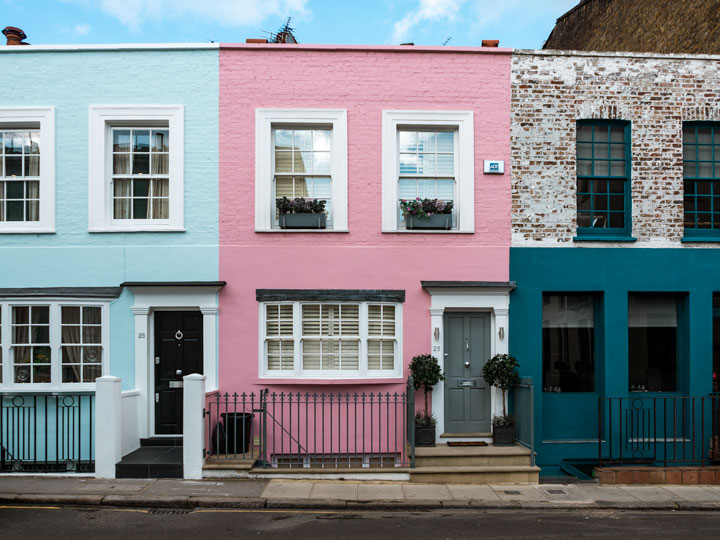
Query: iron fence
x=47 y=432
x=659 y=431
x=522 y=409
x=309 y=430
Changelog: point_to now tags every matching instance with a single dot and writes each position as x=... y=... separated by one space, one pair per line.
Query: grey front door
x=467 y=348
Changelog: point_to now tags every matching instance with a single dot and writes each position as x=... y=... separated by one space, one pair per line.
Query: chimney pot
x=490 y=42
x=256 y=40
x=14 y=35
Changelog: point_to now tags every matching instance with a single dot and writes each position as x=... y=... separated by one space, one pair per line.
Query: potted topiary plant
x=426 y=213
x=301 y=213
x=501 y=371
x=426 y=373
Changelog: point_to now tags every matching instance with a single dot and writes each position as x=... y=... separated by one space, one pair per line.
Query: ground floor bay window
x=653 y=342
x=340 y=335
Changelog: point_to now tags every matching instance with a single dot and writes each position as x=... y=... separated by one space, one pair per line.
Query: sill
x=604 y=239
x=292 y=231
x=137 y=229
x=426 y=231
x=691 y=239
x=27 y=230
x=285 y=380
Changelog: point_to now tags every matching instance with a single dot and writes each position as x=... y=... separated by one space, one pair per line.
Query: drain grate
x=511 y=492
x=556 y=491
x=168 y=512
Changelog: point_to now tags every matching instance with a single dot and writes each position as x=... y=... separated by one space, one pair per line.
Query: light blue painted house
x=616 y=224
x=109 y=242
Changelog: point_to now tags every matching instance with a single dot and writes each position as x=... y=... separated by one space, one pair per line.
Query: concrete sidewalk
x=348 y=495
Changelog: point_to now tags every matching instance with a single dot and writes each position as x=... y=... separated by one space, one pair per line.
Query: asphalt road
x=78 y=523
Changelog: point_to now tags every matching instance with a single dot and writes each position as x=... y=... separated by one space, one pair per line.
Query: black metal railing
x=659 y=431
x=522 y=403
x=308 y=430
x=47 y=432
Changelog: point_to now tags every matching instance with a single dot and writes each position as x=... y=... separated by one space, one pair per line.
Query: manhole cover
x=511 y=492
x=556 y=491
x=167 y=512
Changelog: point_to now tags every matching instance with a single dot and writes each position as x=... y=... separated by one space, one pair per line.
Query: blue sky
x=516 y=23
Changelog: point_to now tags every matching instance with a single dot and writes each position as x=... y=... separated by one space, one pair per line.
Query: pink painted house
x=344 y=308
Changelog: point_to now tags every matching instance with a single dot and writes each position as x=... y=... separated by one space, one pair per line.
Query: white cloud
x=231 y=13
x=81 y=29
x=427 y=10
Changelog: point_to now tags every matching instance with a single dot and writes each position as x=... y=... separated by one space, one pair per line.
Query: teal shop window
x=568 y=342
x=701 y=172
x=653 y=342
x=603 y=178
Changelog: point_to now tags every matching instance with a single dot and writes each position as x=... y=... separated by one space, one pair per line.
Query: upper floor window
x=428 y=171
x=52 y=343
x=701 y=172
x=136 y=169
x=301 y=170
x=603 y=178
x=27 y=185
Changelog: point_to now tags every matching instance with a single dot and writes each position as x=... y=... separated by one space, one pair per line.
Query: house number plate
x=176 y=384
x=467 y=383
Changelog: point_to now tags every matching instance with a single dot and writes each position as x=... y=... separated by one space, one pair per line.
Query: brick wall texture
x=550 y=91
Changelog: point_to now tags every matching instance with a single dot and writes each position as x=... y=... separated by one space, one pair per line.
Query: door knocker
x=178 y=335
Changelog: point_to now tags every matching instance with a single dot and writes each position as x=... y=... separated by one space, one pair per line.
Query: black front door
x=467 y=348
x=178 y=352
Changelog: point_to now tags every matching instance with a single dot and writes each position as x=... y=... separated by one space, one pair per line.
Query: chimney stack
x=490 y=42
x=14 y=35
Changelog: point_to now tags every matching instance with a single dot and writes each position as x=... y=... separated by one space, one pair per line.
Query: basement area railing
x=45 y=433
x=522 y=401
x=659 y=431
x=313 y=430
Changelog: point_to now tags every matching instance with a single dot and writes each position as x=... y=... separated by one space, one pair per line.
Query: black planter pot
x=504 y=436
x=303 y=221
x=424 y=436
x=435 y=221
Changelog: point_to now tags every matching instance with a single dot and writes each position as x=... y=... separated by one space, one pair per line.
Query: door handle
x=178 y=372
x=467 y=344
x=467 y=364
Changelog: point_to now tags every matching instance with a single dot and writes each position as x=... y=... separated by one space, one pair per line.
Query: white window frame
x=55 y=305
x=102 y=119
x=298 y=373
x=463 y=123
x=19 y=117
x=265 y=119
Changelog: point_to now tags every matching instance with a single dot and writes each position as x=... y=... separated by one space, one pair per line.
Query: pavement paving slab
x=287 y=490
x=651 y=493
x=194 y=488
x=694 y=493
x=380 y=492
x=468 y=492
x=607 y=493
x=341 y=491
x=429 y=492
x=518 y=493
x=563 y=493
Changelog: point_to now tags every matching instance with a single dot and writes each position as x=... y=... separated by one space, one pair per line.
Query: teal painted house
x=615 y=165
x=109 y=241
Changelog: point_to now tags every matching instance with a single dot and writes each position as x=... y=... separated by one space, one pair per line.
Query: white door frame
x=467 y=296
x=172 y=297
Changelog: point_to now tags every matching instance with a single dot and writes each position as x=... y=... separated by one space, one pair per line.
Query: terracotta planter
x=435 y=221
x=303 y=221
x=424 y=436
x=504 y=436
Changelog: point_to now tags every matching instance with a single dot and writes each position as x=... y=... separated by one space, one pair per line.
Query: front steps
x=443 y=464
x=157 y=457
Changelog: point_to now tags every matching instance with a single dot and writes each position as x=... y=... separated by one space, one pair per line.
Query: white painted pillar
x=193 y=425
x=437 y=346
x=142 y=368
x=210 y=356
x=108 y=425
x=501 y=347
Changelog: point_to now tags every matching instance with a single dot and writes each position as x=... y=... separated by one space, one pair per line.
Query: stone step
x=162 y=441
x=151 y=462
x=228 y=464
x=476 y=475
x=443 y=455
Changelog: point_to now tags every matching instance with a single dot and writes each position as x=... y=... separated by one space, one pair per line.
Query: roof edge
x=111 y=47
x=367 y=48
x=616 y=54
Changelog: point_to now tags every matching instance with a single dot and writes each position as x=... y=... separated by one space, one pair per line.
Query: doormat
x=467 y=443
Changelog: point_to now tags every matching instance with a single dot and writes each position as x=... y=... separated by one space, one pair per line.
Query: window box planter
x=303 y=221
x=435 y=221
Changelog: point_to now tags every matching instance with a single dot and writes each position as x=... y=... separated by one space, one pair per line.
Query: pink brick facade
x=364 y=81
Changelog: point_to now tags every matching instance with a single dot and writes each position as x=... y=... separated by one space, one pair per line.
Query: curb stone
x=455 y=504
x=307 y=504
x=149 y=502
x=419 y=504
x=59 y=498
x=226 y=502
x=7 y=498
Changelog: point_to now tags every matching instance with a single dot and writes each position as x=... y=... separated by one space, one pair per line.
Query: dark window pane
x=121 y=140
x=41 y=374
x=584 y=167
x=90 y=373
x=15 y=190
x=704 y=204
x=141 y=141
x=71 y=334
x=15 y=211
x=601 y=202
x=584 y=202
x=40 y=315
x=141 y=188
x=70 y=315
x=617 y=220
x=616 y=186
x=617 y=202
x=71 y=355
x=689 y=134
x=141 y=164
x=41 y=355
x=70 y=374
x=140 y=207
x=704 y=221
x=652 y=339
x=583 y=185
x=689 y=204
x=91 y=334
x=91 y=315
x=600 y=221
x=600 y=186
x=13 y=166
x=40 y=334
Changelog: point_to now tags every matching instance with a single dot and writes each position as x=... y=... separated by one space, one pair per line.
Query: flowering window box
x=303 y=221
x=434 y=221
